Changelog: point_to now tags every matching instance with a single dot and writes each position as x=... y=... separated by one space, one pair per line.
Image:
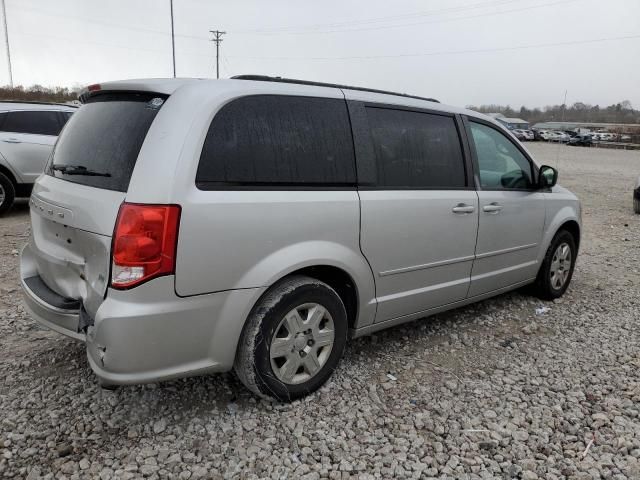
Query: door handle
x=463 y=208
x=11 y=140
x=493 y=207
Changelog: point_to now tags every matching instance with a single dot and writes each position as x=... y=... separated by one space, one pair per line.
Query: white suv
x=185 y=227
x=28 y=131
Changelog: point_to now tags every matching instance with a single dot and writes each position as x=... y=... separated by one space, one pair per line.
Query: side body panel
x=244 y=238
x=420 y=251
x=27 y=153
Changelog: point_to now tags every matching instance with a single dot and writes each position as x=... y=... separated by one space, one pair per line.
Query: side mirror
x=548 y=177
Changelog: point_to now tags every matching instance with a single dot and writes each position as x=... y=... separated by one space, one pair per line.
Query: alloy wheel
x=302 y=343
x=560 y=266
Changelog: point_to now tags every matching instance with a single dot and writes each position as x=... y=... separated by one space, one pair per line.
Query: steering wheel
x=513 y=179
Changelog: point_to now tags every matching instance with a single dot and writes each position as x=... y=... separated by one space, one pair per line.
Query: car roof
x=168 y=86
x=10 y=105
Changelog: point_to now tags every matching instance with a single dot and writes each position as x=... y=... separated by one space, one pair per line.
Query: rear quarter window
x=278 y=141
x=105 y=136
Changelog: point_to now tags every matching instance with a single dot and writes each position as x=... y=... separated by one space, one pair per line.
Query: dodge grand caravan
x=184 y=226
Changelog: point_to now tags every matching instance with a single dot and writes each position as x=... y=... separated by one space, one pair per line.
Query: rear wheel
x=7 y=193
x=293 y=339
x=557 y=267
x=636 y=205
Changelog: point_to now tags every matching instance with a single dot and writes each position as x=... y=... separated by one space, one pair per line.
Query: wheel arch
x=566 y=218
x=339 y=280
x=573 y=228
x=341 y=267
x=9 y=174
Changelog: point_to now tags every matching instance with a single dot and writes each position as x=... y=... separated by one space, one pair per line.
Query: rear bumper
x=45 y=306
x=148 y=333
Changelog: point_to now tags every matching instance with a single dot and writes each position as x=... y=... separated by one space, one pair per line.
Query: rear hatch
x=74 y=206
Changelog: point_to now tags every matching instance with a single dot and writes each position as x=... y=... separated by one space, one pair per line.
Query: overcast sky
x=460 y=51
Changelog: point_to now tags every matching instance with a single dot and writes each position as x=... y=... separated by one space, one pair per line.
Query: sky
x=462 y=52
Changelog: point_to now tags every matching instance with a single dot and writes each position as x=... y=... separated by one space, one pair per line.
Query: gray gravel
x=492 y=390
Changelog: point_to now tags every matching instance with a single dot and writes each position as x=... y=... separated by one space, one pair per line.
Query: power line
x=384 y=27
x=107 y=24
x=217 y=38
x=449 y=52
x=382 y=19
x=6 y=39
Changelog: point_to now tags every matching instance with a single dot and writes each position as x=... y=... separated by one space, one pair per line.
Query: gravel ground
x=493 y=390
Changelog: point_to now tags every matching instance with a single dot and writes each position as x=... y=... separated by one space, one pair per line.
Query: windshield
x=100 y=144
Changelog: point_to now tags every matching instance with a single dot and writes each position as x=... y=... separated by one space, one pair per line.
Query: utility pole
x=173 y=39
x=217 y=38
x=6 y=39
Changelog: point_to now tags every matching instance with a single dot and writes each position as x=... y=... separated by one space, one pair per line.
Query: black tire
x=253 y=363
x=9 y=191
x=636 y=205
x=543 y=287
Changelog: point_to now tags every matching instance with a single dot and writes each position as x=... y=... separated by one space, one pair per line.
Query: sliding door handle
x=463 y=208
x=493 y=207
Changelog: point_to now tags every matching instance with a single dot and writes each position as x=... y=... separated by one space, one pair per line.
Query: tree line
x=38 y=93
x=622 y=112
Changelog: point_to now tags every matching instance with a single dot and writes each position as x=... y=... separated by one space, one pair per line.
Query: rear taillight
x=144 y=243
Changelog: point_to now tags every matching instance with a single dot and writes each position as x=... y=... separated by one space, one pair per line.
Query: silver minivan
x=185 y=226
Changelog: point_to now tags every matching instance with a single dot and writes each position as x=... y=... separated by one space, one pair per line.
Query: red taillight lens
x=144 y=243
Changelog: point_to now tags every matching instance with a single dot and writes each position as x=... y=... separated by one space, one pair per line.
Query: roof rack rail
x=266 y=78
x=36 y=102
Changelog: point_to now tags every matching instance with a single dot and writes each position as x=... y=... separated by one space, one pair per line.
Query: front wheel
x=557 y=267
x=293 y=339
x=636 y=205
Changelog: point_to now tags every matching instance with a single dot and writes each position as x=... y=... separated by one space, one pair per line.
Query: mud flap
x=84 y=321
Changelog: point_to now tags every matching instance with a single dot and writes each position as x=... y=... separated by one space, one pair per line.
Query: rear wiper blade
x=78 y=170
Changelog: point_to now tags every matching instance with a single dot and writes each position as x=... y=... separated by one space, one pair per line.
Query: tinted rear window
x=105 y=136
x=275 y=140
x=33 y=122
x=416 y=150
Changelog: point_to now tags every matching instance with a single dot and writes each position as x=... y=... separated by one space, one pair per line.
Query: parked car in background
x=545 y=135
x=581 y=139
x=606 y=136
x=523 y=134
x=257 y=223
x=519 y=134
x=538 y=135
x=28 y=131
x=560 y=137
x=636 y=196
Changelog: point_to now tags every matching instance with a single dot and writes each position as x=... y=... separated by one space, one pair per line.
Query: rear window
x=101 y=142
x=33 y=122
x=277 y=141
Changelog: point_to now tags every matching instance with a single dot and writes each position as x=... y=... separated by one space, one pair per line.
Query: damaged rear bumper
x=148 y=333
x=50 y=309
